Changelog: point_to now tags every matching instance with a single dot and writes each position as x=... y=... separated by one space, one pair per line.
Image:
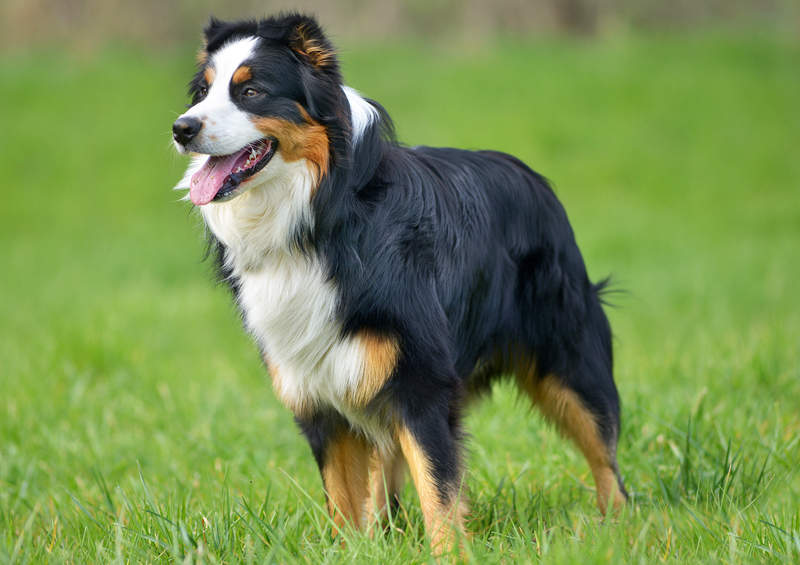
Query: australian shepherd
x=386 y=285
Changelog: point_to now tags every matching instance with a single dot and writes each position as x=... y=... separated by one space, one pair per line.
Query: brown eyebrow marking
x=209 y=74
x=242 y=74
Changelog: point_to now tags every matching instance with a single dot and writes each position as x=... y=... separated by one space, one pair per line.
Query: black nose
x=185 y=129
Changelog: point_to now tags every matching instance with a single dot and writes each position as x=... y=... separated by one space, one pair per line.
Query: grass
x=137 y=423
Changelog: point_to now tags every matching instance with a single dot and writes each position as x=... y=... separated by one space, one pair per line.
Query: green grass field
x=137 y=424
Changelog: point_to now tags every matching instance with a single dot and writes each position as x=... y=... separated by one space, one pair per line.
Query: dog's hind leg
x=591 y=420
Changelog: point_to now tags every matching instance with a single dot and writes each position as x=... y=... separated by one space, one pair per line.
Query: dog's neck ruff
x=288 y=302
x=269 y=216
x=264 y=220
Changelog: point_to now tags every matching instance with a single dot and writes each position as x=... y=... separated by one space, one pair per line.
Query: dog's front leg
x=343 y=458
x=431 y=449
x=386 y=476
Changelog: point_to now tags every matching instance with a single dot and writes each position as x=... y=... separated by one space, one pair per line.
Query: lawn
x=137 y=424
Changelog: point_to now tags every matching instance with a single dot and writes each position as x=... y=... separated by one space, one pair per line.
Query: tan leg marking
x=380 y=357
x=562 y=406
x=345 y=474
x=444 y=520
x=386 y=476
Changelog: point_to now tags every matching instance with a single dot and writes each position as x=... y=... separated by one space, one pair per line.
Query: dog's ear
x=314 y=90
x=307 y=40
x=213 y=27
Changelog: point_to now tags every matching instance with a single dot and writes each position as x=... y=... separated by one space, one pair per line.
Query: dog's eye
x=202 y=91
x=249 y=92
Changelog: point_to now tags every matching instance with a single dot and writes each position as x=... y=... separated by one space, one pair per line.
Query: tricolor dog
x=386 y=285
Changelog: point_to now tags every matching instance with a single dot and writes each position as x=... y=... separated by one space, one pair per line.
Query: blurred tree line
x=88 y=23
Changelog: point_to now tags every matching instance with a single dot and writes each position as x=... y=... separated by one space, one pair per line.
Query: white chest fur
x=289 y=304
x=289 y=308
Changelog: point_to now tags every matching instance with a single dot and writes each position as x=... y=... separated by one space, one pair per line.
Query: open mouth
x=221 y=176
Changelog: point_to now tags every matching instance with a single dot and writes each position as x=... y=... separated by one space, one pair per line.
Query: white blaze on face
x=226 y=128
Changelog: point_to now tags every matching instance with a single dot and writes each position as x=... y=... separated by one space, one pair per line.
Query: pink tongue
x=208 y=181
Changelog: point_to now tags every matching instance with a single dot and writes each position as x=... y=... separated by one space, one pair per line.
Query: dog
x=386 y=285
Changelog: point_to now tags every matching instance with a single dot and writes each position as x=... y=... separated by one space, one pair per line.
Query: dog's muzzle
x=185 y=129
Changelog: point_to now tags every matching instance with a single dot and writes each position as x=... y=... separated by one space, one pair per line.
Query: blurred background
x=671 y=132
x=30 y=22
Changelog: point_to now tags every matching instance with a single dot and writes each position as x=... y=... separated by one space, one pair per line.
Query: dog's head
x=262 y=88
